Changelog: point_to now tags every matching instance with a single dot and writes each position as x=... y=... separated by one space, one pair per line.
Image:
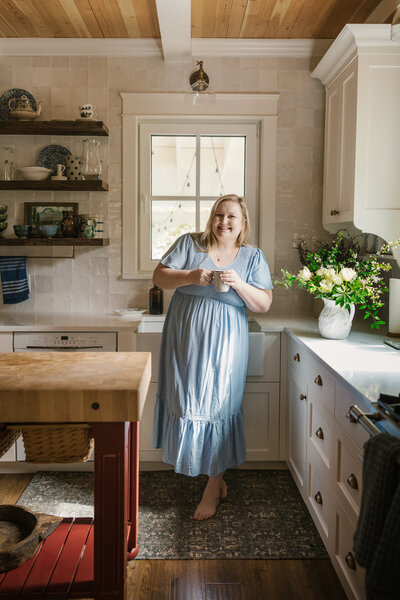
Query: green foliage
x=336 y=271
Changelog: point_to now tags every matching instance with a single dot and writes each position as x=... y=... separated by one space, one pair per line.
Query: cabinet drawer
x=319 y=496
x=344 y=399
x=320 y=431
x=321 y=384
x=348 y=471
x=296 y=357
x=349 y=571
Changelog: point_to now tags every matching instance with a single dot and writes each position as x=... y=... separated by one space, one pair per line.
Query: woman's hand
x=201 y=277
x=230 y=277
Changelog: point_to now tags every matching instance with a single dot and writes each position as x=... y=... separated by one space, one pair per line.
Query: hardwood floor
x=216 y=579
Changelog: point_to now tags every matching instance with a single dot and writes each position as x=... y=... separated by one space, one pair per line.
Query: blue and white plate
x=6 y=97
x=51 y=156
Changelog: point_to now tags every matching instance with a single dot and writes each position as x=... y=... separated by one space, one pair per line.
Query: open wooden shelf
x=56 y=241
x=81 y=185
x=55 y=127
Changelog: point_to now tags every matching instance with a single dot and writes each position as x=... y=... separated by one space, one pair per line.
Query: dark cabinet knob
x=303 y=397
x=319 y=433
x=296 y=357
x=318 y=498
x=334 y=212
x=318 y=380
x=352 y=481
x=350 y=562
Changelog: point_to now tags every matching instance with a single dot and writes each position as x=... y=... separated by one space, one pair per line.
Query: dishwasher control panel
x=90 y=341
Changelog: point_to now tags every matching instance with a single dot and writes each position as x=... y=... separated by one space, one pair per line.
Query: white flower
x=329 y=274
x=304 y=274
x=321 y=271
x=326 y=286
x=337 y=279
x=348 y=274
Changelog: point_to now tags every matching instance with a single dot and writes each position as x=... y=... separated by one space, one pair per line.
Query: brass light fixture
x=199 y=80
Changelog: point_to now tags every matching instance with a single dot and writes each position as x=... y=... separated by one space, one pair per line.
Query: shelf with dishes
x=68 y=185
x=54 y=241
x=85 y=127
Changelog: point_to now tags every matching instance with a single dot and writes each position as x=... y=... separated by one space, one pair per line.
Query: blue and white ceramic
x=51 y=156
x=6 y=97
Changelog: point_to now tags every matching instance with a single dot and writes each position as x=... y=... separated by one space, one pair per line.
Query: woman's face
x=228 y=221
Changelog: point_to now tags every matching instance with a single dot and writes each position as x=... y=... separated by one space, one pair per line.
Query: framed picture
x=39 y=213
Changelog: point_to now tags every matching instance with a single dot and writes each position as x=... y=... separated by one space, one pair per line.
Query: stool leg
x=110 y=510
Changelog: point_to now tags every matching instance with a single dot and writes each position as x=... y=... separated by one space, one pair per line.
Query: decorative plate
x=6 y=97
x=51 y=156
x=132 y=313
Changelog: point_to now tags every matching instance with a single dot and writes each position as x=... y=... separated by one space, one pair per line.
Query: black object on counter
x=155 y=301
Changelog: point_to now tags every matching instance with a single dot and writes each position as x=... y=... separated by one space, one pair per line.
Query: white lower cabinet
x=324 y=454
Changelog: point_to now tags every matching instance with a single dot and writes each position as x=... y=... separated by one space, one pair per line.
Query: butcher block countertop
x=79 y=387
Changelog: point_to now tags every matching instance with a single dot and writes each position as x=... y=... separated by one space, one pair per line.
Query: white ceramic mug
x=218 y=284
x=87 y=111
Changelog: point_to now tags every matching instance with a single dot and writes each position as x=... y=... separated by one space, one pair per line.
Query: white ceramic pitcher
x=334 y=321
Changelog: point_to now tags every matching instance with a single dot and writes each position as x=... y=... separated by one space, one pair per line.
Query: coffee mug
x=218 y=284
x=87 y=111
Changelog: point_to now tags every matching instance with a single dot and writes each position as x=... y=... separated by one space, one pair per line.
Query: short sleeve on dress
x=177 y=256
x=260 y=275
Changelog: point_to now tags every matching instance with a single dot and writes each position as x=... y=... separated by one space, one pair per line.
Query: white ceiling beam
x=174 y=20
x=383 y=11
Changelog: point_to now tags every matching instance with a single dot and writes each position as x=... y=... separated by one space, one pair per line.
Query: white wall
x=91 y=282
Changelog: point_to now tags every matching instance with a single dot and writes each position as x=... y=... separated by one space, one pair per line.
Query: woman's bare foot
x=214 y=492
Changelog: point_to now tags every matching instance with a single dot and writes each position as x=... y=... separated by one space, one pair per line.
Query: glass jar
x=155 y=301
x=91 y=163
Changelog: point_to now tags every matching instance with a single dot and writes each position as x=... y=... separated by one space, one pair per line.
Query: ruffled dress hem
x=199 y=446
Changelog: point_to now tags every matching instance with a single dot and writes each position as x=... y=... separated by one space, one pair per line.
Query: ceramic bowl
x=3 y=217
x=47 y=231
x=34 y=173
x=3 y=208
x=22 y=231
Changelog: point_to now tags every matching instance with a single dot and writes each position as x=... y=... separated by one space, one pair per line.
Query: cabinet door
x=332 y=157
x=297 y=428
x=146 y=451
x=261 y=421
x=351 y=575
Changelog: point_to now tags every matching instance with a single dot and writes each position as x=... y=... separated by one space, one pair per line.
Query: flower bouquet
x=338 y=274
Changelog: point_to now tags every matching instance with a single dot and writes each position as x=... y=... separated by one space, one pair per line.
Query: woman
x=198 y=418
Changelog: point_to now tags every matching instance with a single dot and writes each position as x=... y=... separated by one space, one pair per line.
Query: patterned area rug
x=264 y=515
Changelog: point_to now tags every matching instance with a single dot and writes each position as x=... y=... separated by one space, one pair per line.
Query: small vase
x=334 y=321
x=70 y=224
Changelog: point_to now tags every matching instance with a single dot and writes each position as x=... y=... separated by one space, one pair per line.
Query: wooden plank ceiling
x=254 y=19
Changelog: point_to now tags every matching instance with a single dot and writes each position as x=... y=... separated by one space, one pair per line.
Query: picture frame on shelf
x=39 y=213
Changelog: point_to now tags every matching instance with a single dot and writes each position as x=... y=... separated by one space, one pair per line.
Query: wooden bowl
x=21 y=532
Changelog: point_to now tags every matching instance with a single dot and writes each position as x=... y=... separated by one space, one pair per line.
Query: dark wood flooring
x=216 y=579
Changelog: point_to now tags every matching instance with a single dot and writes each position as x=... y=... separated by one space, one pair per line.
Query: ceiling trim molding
x=152 y=47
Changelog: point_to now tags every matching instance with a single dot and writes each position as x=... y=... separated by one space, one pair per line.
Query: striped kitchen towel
x=13 y=279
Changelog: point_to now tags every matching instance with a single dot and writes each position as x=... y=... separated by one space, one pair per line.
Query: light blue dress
x=198 y=417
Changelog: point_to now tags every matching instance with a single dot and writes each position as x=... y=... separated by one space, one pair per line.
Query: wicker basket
x=57 y=443
x=7 y=438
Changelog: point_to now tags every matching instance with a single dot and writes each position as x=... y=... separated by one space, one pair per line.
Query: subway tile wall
x=92 y=282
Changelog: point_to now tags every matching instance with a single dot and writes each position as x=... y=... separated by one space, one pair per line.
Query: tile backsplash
x=92 y=281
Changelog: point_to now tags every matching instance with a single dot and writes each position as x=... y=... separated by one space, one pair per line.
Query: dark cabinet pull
x=350 y=562
x=334 y=212
x=318 y=498
x=303 y=397
x=296 y=357
x=319 y=433
x=352 y=481
x=318 y=380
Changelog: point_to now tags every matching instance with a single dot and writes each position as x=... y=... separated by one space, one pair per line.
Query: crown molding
x=152 y=47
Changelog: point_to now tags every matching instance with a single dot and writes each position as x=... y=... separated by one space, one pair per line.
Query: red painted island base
x=87 y=558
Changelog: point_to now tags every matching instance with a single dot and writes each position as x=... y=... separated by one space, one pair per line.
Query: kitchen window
x=176 y=165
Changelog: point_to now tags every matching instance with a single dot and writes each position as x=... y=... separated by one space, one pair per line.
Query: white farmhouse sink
x=151 y=324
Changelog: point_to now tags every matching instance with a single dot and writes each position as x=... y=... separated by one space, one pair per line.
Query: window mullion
x=197 y=182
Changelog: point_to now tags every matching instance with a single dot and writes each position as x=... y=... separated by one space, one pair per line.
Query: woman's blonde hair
x=206 y=239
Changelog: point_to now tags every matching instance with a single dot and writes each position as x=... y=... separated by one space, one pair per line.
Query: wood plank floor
x=216 y=579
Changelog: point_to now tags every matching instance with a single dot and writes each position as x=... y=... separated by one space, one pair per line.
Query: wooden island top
x=74 y=387
x=83 y=558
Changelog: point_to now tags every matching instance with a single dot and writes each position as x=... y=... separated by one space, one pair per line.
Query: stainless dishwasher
x=67 y=341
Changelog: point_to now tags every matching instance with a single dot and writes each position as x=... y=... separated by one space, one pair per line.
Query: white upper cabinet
x=361 y=74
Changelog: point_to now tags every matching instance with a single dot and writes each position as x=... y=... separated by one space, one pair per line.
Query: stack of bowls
x=3 y=217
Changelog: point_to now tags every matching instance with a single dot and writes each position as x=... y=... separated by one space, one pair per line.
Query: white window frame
x=138 y=107
x=147 y=128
